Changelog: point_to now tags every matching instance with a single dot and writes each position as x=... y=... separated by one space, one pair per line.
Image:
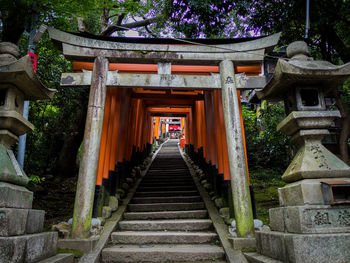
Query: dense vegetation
x=53 y=147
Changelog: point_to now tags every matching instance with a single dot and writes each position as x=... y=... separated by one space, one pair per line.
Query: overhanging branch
x=112 y=28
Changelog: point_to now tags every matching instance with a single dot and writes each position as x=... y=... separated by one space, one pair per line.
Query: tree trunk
x=66 y=164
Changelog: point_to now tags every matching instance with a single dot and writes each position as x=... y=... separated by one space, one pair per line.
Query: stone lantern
x=21 y=237
x=313 y=222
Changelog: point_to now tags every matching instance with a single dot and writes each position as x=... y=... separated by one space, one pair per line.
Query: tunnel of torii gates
x=134 y=82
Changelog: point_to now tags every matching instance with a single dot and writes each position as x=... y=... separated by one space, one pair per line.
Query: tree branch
x=112 y=28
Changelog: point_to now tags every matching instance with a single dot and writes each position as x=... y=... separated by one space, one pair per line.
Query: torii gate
x=102 y=52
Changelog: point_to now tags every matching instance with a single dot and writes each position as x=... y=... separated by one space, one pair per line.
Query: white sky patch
x=132 y=33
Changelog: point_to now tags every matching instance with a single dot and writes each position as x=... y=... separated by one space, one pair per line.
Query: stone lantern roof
x=21 y=74
x=303 y=70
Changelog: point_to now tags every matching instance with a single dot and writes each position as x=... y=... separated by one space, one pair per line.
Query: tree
x=328 y=36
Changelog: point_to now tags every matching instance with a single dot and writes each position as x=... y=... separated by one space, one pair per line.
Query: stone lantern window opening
x=310 y=99
x=3 y=93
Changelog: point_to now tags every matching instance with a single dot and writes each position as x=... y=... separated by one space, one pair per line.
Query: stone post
x=88 y=166
x=234 y=137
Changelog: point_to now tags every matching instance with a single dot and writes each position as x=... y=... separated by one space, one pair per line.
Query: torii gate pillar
x=89 y=160
x=235 y=148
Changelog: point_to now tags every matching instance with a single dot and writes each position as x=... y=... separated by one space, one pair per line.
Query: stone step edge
x=59 y=258
x=254 y=257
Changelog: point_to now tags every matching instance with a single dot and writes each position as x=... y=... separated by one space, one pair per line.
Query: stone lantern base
x=313 y=222
x=21 y=237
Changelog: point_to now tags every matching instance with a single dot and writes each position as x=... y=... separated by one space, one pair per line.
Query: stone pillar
x=89 y=160
x=234 y=137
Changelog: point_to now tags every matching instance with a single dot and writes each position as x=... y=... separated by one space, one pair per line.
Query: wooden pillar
x=91 y=146
x=156 y=127
x=234 y=137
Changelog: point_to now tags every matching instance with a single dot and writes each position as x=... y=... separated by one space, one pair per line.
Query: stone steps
x=165 y=188
x=166 y=221
x=165 y=206
x=163 y=184
x=170 y=225
x=59 y=258
x=162 y=237
x=162 y=253
x=167 y=193
x=166 y=215
x=166 y=199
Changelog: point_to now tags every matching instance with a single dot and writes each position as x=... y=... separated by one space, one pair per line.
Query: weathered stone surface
x=243 y=242
x=219 y=202
x=318 y=248
x=27 y=248
x=14 y=196
x=13 y=121
x=297 y=48
x=85 y=245
x=300 y=120
x=10 y=171
x=113 y=203
x=313 y=160
x=304 y=192
x=162 y=253
x=271 y=244
x=40 y=246
x=304 y=248
x=254 y=257
x=12 y=249
x=162 y=237
x=9 y=48
x=35 y=221
x=63 y=229
x=6 y=59
x=311 y=219
x=59 y=258
x=106 y=212
x=7 y=138
x=169 y=225
x=13 y=221
x=277 y=219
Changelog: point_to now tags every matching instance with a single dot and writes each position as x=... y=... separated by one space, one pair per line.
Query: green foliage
x=53 y=119
x=35 y=180
x=76 y=253
x=265 y=146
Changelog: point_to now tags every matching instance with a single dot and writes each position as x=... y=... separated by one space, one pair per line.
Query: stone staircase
x=166 y=220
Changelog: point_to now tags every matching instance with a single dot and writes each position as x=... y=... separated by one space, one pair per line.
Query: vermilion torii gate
x=187 y=77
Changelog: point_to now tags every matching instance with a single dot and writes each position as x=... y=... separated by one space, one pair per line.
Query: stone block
x=311 y=219
x=27 y=248
x=35 y=221
x=106 y=212
x=14 y=196
x=84 y=245
x=271 y=244
x=10 y=171
x=40 y=246
x=242 y=242
x=12 y=249
x=13 y=221
x=113 y=203
x=304 y=192
x=277 y=219
x=304 y=248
